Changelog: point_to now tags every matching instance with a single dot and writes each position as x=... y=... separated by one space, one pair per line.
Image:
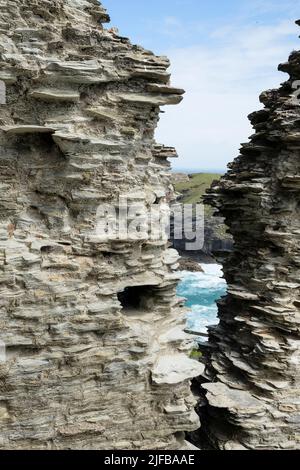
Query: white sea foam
x=212 y=269
x=210 y=279
x=201 y=291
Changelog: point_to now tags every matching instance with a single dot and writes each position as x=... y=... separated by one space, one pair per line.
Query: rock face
x=253 y=395
x=188 y=264
x=91 y=324
x=190 y=190
x=216 y=242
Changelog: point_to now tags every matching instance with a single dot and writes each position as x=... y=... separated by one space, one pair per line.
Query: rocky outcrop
x=253 y=371
x=95 y=349
x=217 y=241
x=189 y=264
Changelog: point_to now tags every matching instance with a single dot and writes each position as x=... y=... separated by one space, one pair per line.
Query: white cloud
x=223 y=81
x=262 y=7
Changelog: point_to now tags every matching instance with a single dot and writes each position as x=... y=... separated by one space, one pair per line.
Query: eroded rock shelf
x=83 y=371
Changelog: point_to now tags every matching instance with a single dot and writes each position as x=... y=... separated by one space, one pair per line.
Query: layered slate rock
x=253 y=371
x=90 y=322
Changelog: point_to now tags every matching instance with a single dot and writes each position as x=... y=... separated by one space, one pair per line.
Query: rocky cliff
x=190 y=189
x=95 y=353
x=253 y=371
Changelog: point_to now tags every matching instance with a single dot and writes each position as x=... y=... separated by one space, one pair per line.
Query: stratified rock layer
x=82 y=371
x=254 y=396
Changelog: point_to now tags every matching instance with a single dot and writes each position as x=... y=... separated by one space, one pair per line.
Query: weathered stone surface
x=77 y=132
x=55 y=95
x=188 y=264
x=253 y=401
x=175 y=368
x=221 y=396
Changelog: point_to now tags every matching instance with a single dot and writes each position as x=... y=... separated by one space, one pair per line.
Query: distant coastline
x=193 y=171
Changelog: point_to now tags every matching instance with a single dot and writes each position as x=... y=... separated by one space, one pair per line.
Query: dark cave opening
x=136 y=298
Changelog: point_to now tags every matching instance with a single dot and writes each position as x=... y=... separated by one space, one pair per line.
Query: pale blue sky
x=224 y=53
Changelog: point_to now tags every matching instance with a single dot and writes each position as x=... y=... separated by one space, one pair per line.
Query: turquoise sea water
x=201 y=291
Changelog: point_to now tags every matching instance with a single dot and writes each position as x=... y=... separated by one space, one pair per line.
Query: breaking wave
x=201 y=291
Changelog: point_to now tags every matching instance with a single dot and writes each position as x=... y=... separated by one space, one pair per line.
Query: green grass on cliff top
x=193 y=190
